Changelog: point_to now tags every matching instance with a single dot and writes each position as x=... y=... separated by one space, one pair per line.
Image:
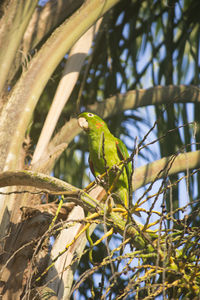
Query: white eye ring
x=90 y=115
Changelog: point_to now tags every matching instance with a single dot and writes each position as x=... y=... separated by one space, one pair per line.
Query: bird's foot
x=116 y=169
x=99 y=180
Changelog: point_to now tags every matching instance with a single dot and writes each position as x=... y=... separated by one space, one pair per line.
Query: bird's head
x=91 y=122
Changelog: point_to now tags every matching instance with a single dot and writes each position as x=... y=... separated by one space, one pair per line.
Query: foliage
x=135 y=45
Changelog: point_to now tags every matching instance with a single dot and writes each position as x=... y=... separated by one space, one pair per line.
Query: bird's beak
x=83 y=123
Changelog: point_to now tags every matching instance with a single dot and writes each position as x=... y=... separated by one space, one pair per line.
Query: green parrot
x=105 y=151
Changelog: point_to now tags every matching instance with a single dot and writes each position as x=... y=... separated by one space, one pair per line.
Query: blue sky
x=148 y=113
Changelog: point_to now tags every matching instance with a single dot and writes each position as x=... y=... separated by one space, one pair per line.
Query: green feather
x=105 y=151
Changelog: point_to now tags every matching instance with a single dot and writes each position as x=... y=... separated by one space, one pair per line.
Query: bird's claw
x=115 y=168
x=99 y=180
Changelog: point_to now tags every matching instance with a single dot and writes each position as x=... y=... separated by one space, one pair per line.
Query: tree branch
x=17 y=113
x=45 y=19
x=35 y=179
x=17 y=15
x=69 y=78
x=152 y=96
x=180 y=163
x=42 y=23
x=142 y=175
x=130 y=100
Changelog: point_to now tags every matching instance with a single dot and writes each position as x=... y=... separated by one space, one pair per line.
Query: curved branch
x=45 y=19
x=152 y=96
x=42 y=23
x=17 y=16
x=142 y=175
x=67 y=133
x=17 y=112
x=165 y=166
x=35 y=179
x=69 y=78
x=131 y=100
x=46 y=183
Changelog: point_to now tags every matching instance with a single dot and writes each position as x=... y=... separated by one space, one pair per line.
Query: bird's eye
x=90 y=115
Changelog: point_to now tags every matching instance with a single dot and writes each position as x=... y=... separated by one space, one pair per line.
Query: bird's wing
x=91 y=166
x=123 y=154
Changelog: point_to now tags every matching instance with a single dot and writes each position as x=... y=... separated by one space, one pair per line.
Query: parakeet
x=105 y=151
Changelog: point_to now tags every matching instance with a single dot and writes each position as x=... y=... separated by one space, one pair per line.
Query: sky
x=148 y=113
